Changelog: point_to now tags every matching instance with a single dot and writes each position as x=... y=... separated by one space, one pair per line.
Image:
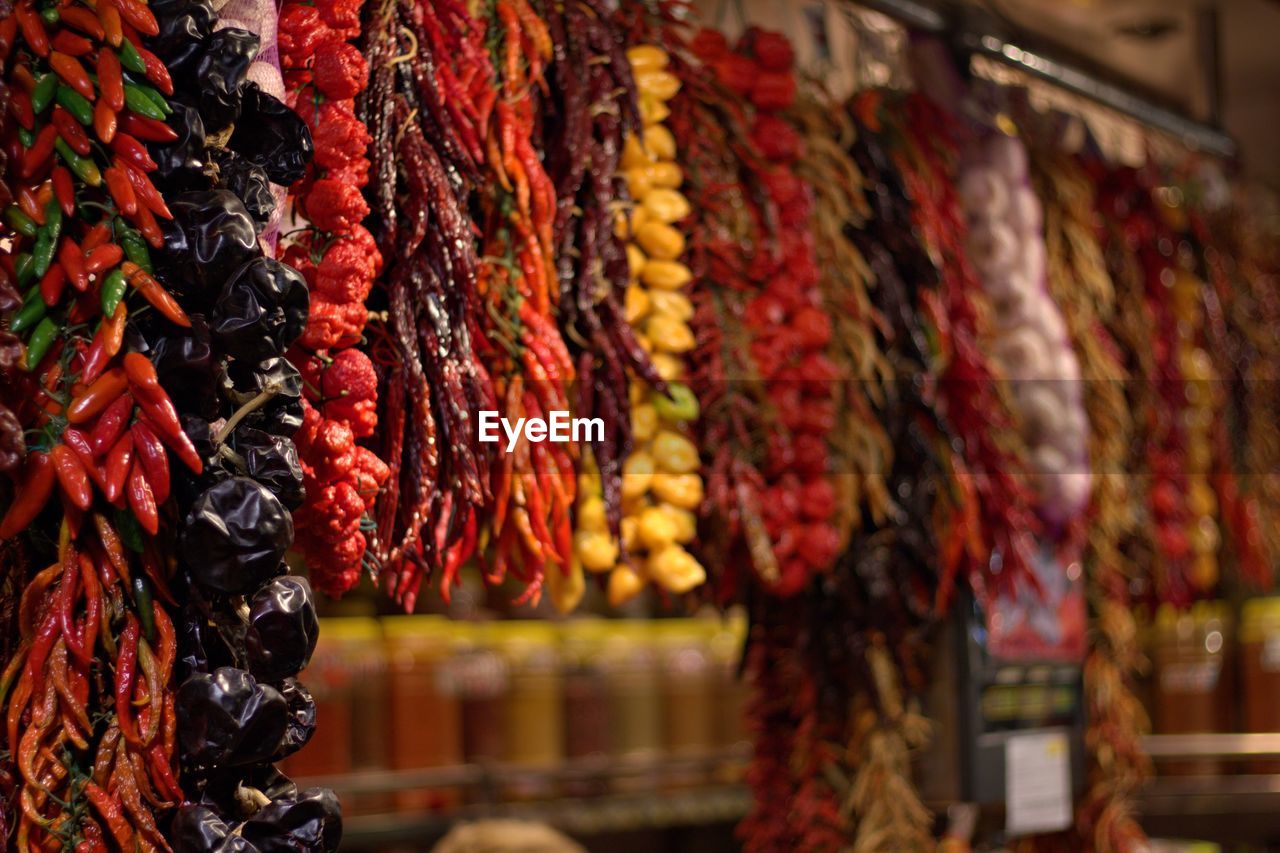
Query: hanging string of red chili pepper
x=340 y=261
x=427 y=108
x=94 y=748
x=989 y=536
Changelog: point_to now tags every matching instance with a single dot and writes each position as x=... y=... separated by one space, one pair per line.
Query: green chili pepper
x=85 y=169
x=24 y=268
x=50 y=15
x=53 y=220
x=113 y=288
x=135 y=248
x=42 y=254
x=41 y=340
x=32 y=311
x=26 y=137
x=130 y=58
x=42 y=94
x=142 y=598
x=20 y=222
x=137 y=99
x=682 y=405
x=75 y=103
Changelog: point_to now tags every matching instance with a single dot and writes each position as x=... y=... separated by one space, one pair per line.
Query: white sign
x=1037 y=781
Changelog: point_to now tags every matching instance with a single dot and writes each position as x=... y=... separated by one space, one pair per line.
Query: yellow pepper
x=668 y=334
x=681 y=490
x=565 y=589
x=633 y=154
x=638 y=181
x=647 y=57
x=636 y=304
x=630 y=530
x=659 y=143
x=653 y=111
x=665 y=275
x=662 y=175
x=675 y=569
x=644 y=422
x=666 y=205
x=674 y=453
x=597 y=551
x=635 y=260
x=637 y=472
x=659 y=241
x=669 y=367
x=662 y=85
x=624 y=585
x=656 y=529
x=671 y=303
x=686 y=523
x=591 y=516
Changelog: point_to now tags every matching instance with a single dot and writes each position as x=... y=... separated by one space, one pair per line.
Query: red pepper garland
x=790 y=333
x=989 y=536
x=340 y=260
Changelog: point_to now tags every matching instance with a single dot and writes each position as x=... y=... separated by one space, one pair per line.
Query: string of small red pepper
x=340 y=261
x=428 y=109
x=93 y=742
x=1143 y=249
x=534 y=485
x=990 y=533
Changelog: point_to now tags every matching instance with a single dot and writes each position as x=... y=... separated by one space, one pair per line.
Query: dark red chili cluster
x=340 y=261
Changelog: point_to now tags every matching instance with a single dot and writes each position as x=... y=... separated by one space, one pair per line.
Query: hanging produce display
x=339 y=259
x=1081 y=285
x=835 y=361
x=1006 y=245
x=661 y=487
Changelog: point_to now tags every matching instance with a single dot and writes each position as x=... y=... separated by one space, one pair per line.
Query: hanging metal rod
x=929 y=18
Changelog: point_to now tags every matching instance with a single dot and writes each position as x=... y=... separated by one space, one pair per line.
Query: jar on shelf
x=1192 y=688
x=635 y=709
x=731 y=687
x=688 y=698
x=481 y=676
x=533 y=714
x=1260 y=671
x=586 y=705
x=424 y=715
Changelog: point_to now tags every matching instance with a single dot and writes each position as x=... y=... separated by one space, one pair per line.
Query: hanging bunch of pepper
x=428 y=109
x=1231 y=350
x=340 y=260
x=533 y=485
x=1082 y=287
x=590 y=109
x=789 y=327
x=990 y=531
x=1242 y=267
x=862 y=454
x=1157 y=293
x=95 y=651
x=661 y=486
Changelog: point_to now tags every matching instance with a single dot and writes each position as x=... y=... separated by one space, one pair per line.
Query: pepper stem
x=261 y=399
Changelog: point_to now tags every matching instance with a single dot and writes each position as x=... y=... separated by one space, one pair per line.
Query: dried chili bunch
x=861 y=452
x=534 y=485
x=992 y=523
x=710 y=127
x=427 y=108
x=339 y=259
x=1233 y=352
x=590 y=108
x=247 y=627
x=1082 y=287
x=1147 y=257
